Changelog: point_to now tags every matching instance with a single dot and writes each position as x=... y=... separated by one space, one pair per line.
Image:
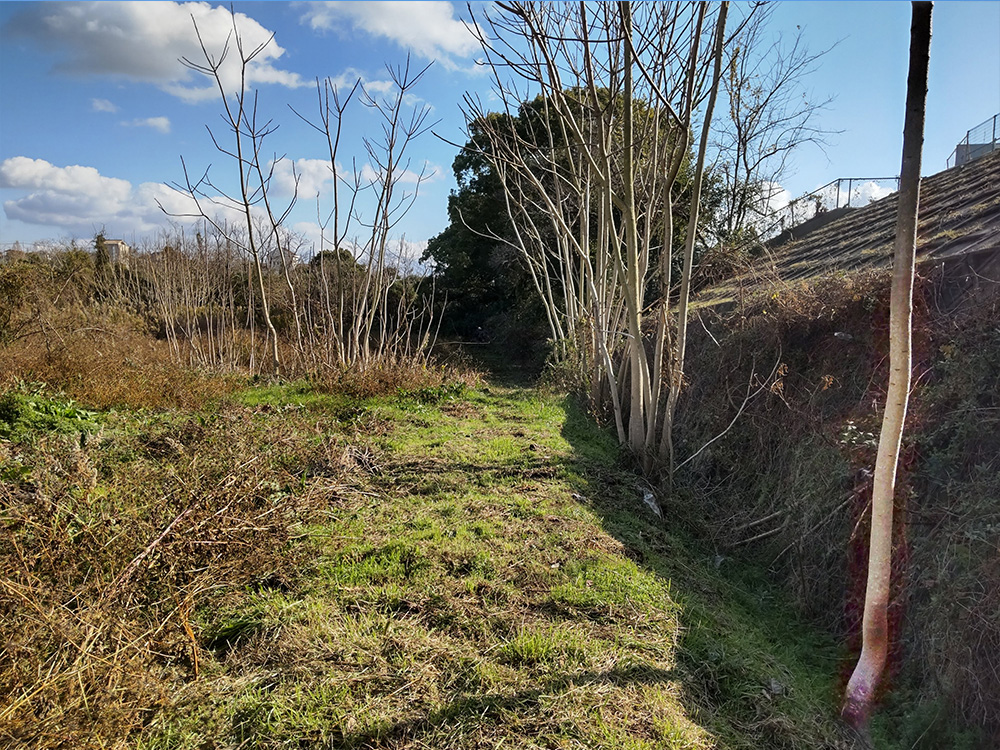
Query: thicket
x=477 y=265
x=789 y=483
x=155 y=325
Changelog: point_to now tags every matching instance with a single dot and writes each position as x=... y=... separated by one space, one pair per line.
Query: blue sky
x=97 y=112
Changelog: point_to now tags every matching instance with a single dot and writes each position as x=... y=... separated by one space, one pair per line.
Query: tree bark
x=861 y=688
x=633 y=277
x=677 y=365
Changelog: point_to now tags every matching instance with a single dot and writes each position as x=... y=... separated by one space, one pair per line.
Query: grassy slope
x=491 y=580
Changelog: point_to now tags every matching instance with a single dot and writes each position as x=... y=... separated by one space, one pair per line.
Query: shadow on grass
x=754 y=675
x=497 y=707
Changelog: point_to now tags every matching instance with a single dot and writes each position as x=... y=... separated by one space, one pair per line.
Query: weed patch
x=112 y=547
x=27 y=410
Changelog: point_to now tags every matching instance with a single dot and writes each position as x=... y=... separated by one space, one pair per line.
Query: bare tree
x=589 y=169
x=365 y=252
x=370 y=314
x=770 y=115
x=861 y=688
x=240 y=113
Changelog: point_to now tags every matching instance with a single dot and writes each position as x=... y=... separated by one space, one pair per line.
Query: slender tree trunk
x=680 y=345
x=868 y=672
x=633 y=277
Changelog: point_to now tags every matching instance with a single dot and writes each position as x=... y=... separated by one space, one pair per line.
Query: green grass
x=31 y=409
x=493 y=581
x=444 y=568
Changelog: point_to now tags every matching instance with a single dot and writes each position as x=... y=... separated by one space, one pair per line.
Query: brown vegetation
x=117 y=527
x=112 y=541
x=790 y=483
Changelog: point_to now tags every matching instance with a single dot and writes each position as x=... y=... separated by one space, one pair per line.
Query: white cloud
x=33 y=174
x=409 y=253
x=838 y=195
x=150 y=196
x=314 y=177
x=144 y=41
x=783 y=211
x=346 y=80
x=161 y=124
x=376 y=87
x=401 y=252
x=429 y=29
x=77 y=198
x=775 y=196
x=433 y=173
x=861 y=194
x=312 y=233
x=103 y=105
x=369 y=174
x=430 y=173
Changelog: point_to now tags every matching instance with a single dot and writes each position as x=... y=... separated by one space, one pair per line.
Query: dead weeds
x=111 y=547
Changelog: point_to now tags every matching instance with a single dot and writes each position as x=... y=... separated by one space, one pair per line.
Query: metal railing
x=845 y=192
x=978 y=141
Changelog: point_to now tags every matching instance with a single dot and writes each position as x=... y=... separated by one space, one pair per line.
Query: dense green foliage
x=476 y=258
x=27 y=408
x=482 y=277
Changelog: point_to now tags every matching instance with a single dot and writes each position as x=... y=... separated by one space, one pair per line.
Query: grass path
x=494 y=581
x=443 y=568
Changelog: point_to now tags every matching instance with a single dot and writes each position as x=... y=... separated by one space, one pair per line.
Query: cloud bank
x=78 y=199
x=144 y=42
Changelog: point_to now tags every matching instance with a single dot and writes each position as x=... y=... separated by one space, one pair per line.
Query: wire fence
x=978 y=141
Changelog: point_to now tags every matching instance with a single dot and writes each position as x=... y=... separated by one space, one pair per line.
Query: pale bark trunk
x=875 y=644
x=633 y=278
x=619 y=161
x=680 y=345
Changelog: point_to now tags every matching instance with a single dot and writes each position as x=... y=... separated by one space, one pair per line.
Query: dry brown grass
x=108 y=549
x=154 y=572
x=107 y=360
x=112 y=541
x=113 y=346
x=107 y=368
x=791 y=481
x=396 y=375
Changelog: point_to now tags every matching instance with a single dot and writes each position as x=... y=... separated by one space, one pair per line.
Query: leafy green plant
x=29 y=409
x=435 y=394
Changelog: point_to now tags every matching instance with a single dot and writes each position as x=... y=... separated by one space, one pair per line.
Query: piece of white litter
x=650 y=500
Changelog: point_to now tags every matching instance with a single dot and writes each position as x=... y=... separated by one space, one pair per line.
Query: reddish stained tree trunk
x=861 y=688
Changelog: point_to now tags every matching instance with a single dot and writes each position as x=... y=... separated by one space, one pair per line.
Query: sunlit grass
x=457 y=568
x=476 y=590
